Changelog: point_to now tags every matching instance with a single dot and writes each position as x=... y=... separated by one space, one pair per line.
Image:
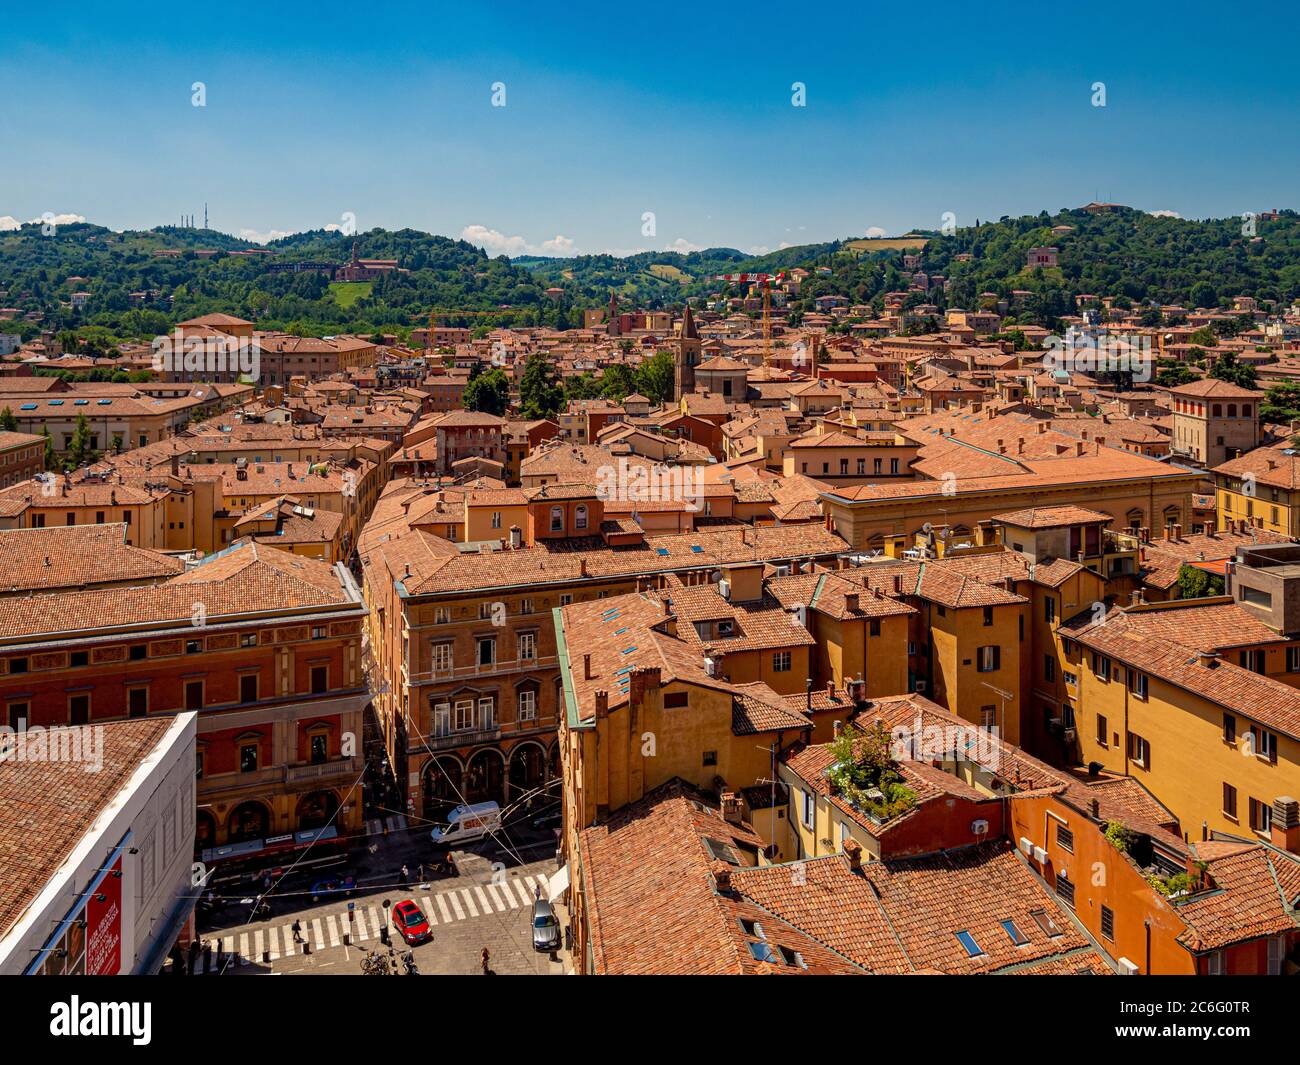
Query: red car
x=410 y=922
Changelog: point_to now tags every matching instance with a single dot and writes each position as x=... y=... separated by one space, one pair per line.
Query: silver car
x=546 y=929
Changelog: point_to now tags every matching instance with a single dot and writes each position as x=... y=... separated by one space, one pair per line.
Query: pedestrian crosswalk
x=377 y=826
x=236 y=948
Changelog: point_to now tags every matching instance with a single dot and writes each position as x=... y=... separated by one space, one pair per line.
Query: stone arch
x=249 y=820
x=485 y=776
x=444 y=784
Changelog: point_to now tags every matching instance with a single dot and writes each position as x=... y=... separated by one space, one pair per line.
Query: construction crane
x=765 y=281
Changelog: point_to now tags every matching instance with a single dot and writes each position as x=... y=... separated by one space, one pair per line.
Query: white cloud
x=759 y=249
x=875 y=231
x=253 y=236
x=62 y=219
x=1165 y=214
x=684 y=246
x=495 y=242
x=9 y=223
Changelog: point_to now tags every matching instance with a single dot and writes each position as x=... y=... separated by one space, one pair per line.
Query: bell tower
x=687 y=356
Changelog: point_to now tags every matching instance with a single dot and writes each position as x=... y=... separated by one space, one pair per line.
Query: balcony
x=468 y=738
x=501 y=667
x=337 y=768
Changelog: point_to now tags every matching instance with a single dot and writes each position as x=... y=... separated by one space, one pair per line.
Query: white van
x=468 y=823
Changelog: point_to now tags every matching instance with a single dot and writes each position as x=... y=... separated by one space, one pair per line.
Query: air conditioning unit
x=1040 y=856
x=711 y=666
x=920 y=685
x=1069 y=735
x=1026 y=846
x=1127 y=968
x=783 y=571
x=979 y=827
x=724 y=588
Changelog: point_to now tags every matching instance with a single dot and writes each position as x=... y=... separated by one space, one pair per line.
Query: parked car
x=410 y=922
x=467 y=823
x=546 y=929
x=344 y=886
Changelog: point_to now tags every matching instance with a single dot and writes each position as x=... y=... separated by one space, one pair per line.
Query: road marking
x=483 y=899
x=455 y=904
x=495 y=896
x=442 y=905
x=320 y=934
x=259 y=947
x=273 y=941
x=243 y=949
x=333 y=930
x=288 y=941
x=469 y=902
x=358 y=927
x=524 y=897
x=427 y=906
x=374 y=921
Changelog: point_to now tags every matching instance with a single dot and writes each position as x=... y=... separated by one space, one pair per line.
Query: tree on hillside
x=488 y=393
x=1195 y=583
x=7 y=421
x=79 y=450
x=1281 y=403
x=1227 y=368
x=1172 y=374
x=50 y=460
x=540 y=394
x=654 y=377
x=618 y=382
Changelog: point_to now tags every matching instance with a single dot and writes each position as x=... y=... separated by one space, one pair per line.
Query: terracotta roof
x=903 y=916
x=76 y=556
x=1051 y=517
x=653 y=904
x=50 y=805
x=1255 y=893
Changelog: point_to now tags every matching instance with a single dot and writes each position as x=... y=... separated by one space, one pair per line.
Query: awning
x=558 y=884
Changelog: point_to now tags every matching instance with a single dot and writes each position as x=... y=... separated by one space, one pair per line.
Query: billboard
x=104 y=925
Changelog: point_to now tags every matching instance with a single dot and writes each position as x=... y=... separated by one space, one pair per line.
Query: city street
x=487 y=905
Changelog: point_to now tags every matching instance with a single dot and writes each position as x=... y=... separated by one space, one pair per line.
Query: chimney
x=851 y=602
x=1169 y=533
x=722 y=878
x=1078 y=447
x=1209 y=659
x=1285 y=832
x=898 y=584
x=837 y=727
x=582 y=567
x=1096 y=808
x=644 y=680
x=853 y=852
x=176 y=465
x=830 y=689
x=1134 y=598
x=731 y=812
x=1178 y=532
x=586 y=667
x=602 y=705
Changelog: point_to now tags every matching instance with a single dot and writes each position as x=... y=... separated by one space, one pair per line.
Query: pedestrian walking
x=193 y=957
x=297 y=931
x=486 y=959
x=406 y=875
x=419 y=869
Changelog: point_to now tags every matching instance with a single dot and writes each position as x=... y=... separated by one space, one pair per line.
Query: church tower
x=611 y=315
x=687 y=356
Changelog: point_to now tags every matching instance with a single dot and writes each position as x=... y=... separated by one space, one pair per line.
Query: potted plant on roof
x=865 y=775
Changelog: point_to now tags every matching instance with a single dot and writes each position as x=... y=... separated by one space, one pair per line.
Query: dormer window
x=580 y=517
x=557 y=519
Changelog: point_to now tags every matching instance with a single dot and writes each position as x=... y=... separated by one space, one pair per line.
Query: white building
x=98 y=839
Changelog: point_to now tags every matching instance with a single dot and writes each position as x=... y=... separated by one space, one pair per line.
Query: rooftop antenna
x=205 y=214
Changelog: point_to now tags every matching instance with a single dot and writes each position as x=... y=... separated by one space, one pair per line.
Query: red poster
x=104 y=925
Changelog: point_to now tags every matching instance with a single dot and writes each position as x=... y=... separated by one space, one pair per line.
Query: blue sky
x=385 y=111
